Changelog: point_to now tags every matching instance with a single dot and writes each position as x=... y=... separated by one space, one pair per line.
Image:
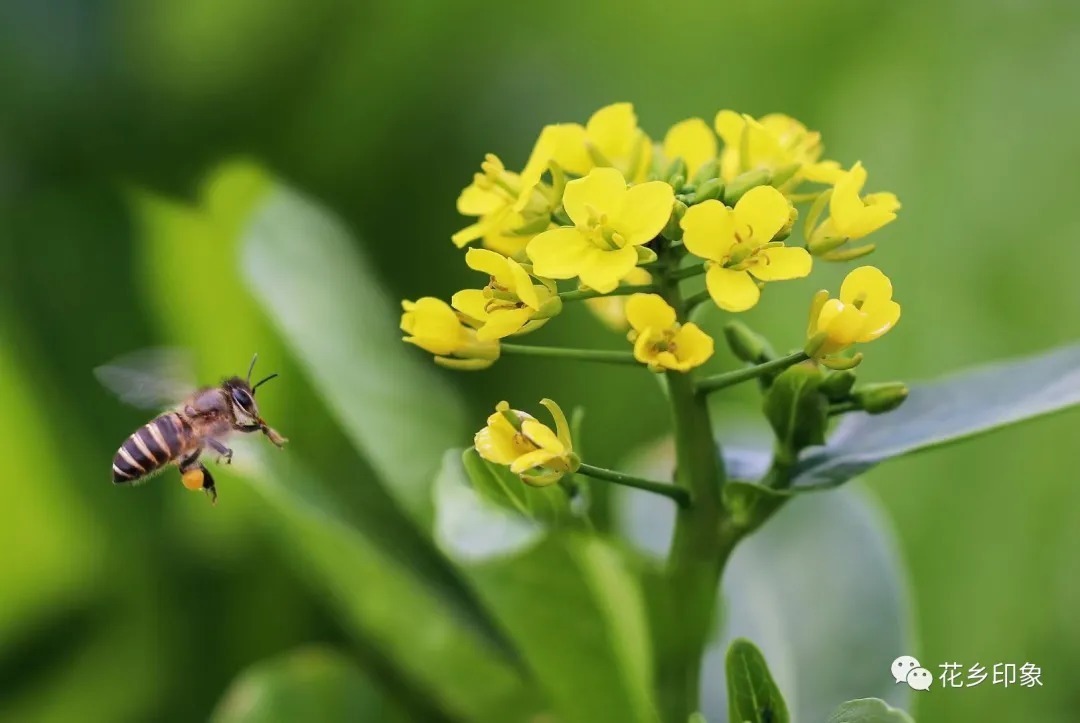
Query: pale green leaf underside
x=868 y=710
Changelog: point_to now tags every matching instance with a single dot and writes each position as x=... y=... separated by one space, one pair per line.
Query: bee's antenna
x=264 y=381
x=252 y=367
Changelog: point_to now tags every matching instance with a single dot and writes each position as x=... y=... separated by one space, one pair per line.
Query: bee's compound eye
x=242 y=398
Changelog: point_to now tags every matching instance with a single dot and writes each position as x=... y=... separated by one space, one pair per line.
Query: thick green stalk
x=702 y=542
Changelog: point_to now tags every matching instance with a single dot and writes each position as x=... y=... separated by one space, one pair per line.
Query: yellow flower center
x=744 y=253
x=599 y=232
x=666 y=342
x=494 y=177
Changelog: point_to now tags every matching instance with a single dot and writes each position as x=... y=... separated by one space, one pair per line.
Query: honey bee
x=203 y=419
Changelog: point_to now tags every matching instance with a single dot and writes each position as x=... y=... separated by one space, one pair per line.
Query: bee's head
x=242 y=396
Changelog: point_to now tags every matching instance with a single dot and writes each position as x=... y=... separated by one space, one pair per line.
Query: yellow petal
x=562 y=427
x=694 y=347
x=765 y=210
x=644 y=349
x=867 y=284
x=433 y=325
x=522 y=285
x=645 y=211
x=542 y=436
x=570 y=150
x=783 y=263
x=880 y=321
x=475 y=201
x=491 y=263
x=600 y=192
x=531 y=460
x=824 y=172
x=649 y=310
x=604 y=270
x=502 y=322
x=471 y=303
x=613 y=130
x=469 y=233
x=691 y=140
x=496 y=445
x=560 y=253
x=841 y=323
x=731 y=290
x=729 y=126
x=708 y=230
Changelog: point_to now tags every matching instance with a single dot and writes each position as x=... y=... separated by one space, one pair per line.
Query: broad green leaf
x=868 y=710
x=575 y=611
x=499 y=485
x=834 y=549
x=328 y=304
x=316 y=684
x=469 y=526
x=425 y=634
x=936 y=413
x=569 y=602
x=752 y=693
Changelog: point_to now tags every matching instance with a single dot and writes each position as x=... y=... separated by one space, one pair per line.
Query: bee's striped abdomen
x=150 y=448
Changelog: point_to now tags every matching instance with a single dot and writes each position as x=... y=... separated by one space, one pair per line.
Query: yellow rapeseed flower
x=610 y=222
x=610 y=138
x=852 y=216
x=864 y=311
x=739 y=246
x=432 y=325
x=530 y=449
x=511 y=303
x=505 y=201
x=691 y=140
x=611 y=310
x=660 y=341
x=774 y=142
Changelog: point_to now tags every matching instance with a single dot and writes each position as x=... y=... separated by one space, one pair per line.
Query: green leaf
x=868 y=710
x=328 y=304
x=499 y=485
x=575 y=611
x=938 y=413
x=752 y=693
x=569 y=601
x=469 y=526
x=315 y=684
x=796 y=410
x=426 y=634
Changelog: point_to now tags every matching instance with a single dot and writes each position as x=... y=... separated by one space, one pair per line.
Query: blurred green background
x=119 y=604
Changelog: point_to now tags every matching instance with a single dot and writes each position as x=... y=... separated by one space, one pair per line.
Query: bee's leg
x=196 y=476
x=225 y=452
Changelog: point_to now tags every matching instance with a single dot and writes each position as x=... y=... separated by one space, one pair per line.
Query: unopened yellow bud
x=743 y=183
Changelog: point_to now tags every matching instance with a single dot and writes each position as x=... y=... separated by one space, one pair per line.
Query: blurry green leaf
x=868 y=710
x=329 y=305
x=428 y=637
x=469 y=526
x=575 y=611
x=569 y=602
x=795 y=408
x=752 y=693
x=937 y=413
x=307 y=685
x=497 y=484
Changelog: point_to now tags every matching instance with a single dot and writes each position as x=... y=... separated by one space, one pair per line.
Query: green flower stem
x=680 y=495
x=704 y=538
x=692 y=302
x=688 y=273
x=580 y=294
x=554 y=352
x=843 y=408
x=723 y=381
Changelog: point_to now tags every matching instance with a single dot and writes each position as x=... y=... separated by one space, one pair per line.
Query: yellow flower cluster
x=597 y=202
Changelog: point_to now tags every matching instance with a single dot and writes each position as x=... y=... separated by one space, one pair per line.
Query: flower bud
x=551 y=306
x=837 y=386
x=707 y=171
x=746 y=344
x=849 y=254
x=743 y=183
x=784 y=174
x=673 y=230
x=675 y=174
x=880 y=398
x=713 y=188
x=825 y=245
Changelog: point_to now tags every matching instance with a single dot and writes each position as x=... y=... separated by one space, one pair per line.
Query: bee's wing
x=149 y=378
